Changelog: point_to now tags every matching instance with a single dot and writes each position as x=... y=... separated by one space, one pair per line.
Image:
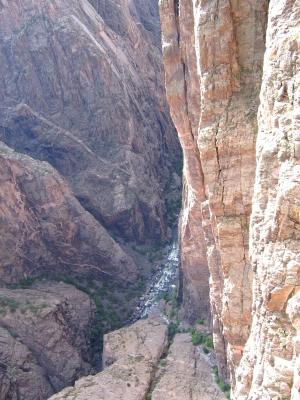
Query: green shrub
x=200 y=338
x=163 y=362
x=225 y=387
x=209 y=342
x=197 y=338
x=173 y=329
x=8 y=304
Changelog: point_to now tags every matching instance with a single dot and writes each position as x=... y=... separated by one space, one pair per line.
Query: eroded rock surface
x=45 y=230
x=134 y=352
x=270 y=366
x=88 y=153
x=187 y=374
x=213 y=54
x=79 y=90
x=45 y=337
x=183 y=94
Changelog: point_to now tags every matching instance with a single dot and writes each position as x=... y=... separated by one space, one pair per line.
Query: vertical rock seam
x=213 y=77
x=270 y=366
x=183 y=94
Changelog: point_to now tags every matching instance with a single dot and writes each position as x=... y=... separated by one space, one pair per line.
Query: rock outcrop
x=139 y=364
x=44 y=229
x=45 y=337
x=130 y=355
x=213 y=54
x=187 y=374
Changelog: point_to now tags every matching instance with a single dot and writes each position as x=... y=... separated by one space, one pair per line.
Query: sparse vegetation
x=163 y=362
x=12 y=305
x=199 y=338
x=173 y=210
x=173 y=329
x=283 y=338
x=225 y=387
x=7 y=304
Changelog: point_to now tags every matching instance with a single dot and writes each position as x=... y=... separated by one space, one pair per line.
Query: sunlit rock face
x=270 y=366
x=213 y=87
x=79 y=90
x=213 y=55
x=183 y=93
x=131 y=356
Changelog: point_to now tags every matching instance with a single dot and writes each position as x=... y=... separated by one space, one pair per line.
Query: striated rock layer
x=270 y=368
x=88 y=155
x=79 y=91
x=44 y=229
x=213 y=54
x=44 y=340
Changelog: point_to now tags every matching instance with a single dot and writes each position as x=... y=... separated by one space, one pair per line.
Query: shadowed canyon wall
x=217 y=62
x=88 y=155
x=82 y=94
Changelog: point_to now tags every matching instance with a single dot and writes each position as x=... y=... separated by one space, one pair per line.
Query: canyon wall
x=216 y=58
x=79 y=91
x=213 y=56
x=88 y=155
x=270 y=365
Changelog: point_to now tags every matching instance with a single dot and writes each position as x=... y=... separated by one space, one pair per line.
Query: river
x=164 y=282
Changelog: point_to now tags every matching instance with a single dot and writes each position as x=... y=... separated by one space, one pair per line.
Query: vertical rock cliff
x=270 y=366
x=219 y=56
x=213 y=54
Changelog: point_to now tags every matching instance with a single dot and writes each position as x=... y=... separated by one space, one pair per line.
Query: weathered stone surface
x=229 y=47
x=187 y=374
x=44 y=340
x=213 y=82
x=142 y=338
x=183 y=95
x=270 y=366
x=81 y=92
x=134 y=352
x=45 y=230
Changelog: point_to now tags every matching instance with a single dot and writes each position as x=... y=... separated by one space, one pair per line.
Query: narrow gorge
x=133 y=265
x=90 y=183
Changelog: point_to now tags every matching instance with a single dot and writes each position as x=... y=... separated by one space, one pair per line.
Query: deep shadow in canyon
x=90 y=182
